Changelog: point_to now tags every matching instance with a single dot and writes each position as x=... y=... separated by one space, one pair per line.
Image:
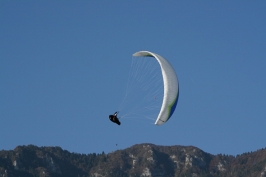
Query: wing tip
x=143 y=53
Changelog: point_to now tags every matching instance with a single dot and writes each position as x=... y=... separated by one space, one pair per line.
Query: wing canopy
x=171 y=90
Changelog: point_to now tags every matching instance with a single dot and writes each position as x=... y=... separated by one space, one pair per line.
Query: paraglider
x=114 y=118
x=167 y=103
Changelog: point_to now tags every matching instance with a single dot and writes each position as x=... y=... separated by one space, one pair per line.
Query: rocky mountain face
x=137 y=161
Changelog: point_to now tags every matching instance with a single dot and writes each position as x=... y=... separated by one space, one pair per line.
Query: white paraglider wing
x=170 y=82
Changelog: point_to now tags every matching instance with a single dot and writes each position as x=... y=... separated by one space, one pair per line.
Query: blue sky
x=64 y=67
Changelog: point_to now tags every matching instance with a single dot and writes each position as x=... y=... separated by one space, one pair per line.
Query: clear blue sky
x=63 y=65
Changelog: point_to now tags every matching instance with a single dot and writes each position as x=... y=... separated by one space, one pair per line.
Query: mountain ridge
x=138 y=160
